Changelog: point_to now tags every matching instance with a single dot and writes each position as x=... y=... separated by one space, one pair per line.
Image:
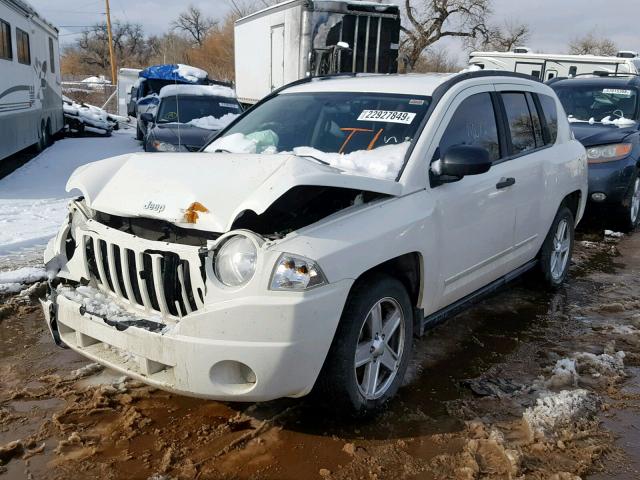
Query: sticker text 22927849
x=386 y=116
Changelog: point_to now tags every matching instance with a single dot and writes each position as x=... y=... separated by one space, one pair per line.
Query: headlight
x=296 y=273
x=235 y=262
x=164 y=146
x=608 y=153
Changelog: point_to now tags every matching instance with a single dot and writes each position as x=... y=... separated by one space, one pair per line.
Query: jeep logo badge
x=154 y=207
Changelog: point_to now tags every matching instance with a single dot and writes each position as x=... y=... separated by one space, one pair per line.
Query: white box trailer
x=30 y=88
x=547 y=66
x=299 y=38
x=127 y=77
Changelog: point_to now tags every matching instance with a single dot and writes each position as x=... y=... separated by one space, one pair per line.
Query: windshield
x=363 y=133
x=598 y=103
x=189 y=109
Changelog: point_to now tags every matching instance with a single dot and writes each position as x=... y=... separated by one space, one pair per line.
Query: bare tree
x=592 y=44
x=437 y=60
x=194 y=23
x=501 y=38
x=241 y=8
x=431 y=20
x=130 y=45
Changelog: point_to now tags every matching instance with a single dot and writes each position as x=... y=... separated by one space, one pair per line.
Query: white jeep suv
x=317 y=235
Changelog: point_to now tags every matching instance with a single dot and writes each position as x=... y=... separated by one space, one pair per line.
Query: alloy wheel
x=560 y=252
x=380 y=348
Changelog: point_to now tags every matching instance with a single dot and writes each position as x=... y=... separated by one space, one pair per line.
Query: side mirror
x=461 y=160
x=147 y=117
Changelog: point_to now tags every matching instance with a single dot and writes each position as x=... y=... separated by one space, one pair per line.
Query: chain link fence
x=93 y=91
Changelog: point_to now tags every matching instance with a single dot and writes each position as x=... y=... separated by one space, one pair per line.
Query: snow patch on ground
x=612 y=234
x=213 y=123
x=16 y=280
x=568 y=371
x=554 y=411
x=33 y=200
x=198 y=90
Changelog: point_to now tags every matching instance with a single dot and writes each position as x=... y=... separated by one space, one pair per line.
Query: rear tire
x=557 y=249
x=630 y=211
x=371 y=348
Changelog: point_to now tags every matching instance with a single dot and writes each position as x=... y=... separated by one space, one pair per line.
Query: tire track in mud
x=459 y=416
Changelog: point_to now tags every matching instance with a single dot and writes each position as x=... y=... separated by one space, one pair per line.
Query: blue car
x=604 y=112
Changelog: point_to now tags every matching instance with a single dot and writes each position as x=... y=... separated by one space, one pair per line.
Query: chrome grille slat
x=156 y=262
x=142 y=284
x=97 y=251
x=111 y=260
x=183 y=290
x=124 y=261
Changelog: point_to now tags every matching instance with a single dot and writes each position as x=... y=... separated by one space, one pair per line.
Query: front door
x=277 y=56
x=476 y=215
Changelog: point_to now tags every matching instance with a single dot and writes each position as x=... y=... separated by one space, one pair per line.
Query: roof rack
x=602 y=73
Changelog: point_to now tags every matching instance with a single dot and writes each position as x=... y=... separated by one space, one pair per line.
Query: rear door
x=525 y=165
x=476 y=214
x=277 y=56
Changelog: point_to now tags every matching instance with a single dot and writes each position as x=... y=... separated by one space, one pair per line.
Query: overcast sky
x=553 y=22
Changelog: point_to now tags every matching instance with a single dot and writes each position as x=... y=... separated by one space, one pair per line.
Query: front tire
x=371 y=348
x=557 y=249
x=630 y=212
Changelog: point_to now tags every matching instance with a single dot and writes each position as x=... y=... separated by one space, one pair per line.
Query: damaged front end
x=157 y=282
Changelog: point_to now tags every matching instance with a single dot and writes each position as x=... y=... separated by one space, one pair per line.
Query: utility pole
x=114 y=79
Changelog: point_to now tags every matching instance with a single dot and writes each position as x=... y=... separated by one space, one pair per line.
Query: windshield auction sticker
x=617 y=91
x=387 y=116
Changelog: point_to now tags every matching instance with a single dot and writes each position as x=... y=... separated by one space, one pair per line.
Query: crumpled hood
x=597 y=134
x=165 y=185
x=189 y=135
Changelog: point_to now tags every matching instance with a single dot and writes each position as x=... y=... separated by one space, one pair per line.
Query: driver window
x=473 y=124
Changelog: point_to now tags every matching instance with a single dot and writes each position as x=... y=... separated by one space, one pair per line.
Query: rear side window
x=52 y=57
x=473 y=123
x=22 y=42
x=535 y=118
x=519 y=120
x=5 y=41
x=550 y=112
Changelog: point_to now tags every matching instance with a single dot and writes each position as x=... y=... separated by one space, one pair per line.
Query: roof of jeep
x=410 y=84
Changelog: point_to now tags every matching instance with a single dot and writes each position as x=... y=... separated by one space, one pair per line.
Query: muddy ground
x=525 y=385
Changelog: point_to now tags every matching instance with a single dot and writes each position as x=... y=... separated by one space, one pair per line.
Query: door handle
x=505 y=182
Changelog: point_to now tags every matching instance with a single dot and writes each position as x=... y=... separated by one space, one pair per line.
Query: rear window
x=550 y=112
x=598 y=102
x=520 y=124
x=52 y=58
x=5 y=41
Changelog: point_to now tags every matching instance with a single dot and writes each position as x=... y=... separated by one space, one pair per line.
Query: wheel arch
x=572 y=202
x=409 y=270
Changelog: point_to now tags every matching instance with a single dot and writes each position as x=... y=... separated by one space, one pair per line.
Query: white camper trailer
x=30 y=92
x=299 y=38
x=127 y=77
x=547 y=66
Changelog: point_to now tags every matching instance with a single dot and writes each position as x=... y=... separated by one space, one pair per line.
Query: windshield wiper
x=221 y=150
x=315 y=158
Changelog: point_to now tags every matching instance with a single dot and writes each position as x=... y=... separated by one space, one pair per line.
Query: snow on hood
x=383 y=162
x=165 y=185
x=213 y=123
x=197 y=90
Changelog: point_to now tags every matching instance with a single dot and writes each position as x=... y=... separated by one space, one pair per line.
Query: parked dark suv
x=604 y=113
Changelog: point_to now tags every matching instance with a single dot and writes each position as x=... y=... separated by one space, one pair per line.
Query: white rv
x=547 y=66
x=300 y=38
x=30 y=91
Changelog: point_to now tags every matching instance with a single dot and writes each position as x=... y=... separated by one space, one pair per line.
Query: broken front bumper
x=254 y=349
